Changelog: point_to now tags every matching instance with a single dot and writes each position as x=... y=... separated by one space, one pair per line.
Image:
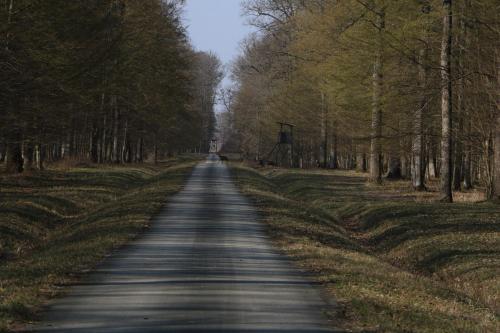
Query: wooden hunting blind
x=286 y=134
x=282 y=153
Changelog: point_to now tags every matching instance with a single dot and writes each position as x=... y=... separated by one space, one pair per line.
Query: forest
x=398 y=89
x=108 y=81
x=345 y=130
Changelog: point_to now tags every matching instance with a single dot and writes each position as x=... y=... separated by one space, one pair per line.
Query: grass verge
x=56 y=225
x=395 y=261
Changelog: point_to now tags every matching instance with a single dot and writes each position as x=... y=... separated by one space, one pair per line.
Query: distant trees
x=209 y=73
x=390 y=73
x=106 y=80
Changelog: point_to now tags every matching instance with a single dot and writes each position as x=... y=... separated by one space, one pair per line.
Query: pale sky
x=216 y=25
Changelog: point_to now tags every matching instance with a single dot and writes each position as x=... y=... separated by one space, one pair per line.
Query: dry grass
x=397 y=260
x=59 y=223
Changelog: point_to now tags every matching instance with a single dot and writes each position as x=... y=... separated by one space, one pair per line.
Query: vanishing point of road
x=205 y=265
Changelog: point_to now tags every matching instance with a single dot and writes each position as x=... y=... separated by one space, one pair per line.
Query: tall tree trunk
x=125 y=143
x=497 y=130
x=458 y=164
x=446 y=104
x=334 y=149
x=418 y=176
x=324 y=129
x=101 y=141
x=156 y=151
x=467 y=172
x=72 y=142
x=140 y=150
x=114 y=153
x=432 y=155
x=94 y=145
x=39 y=157
x=405 y=166
x=376 y=126
x=458 y=151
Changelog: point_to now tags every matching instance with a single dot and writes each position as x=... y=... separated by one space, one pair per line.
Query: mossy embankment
x=56 y=224
x=395 y=260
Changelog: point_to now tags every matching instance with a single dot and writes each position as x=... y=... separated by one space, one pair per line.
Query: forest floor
x=395 y=260
x=58 y=224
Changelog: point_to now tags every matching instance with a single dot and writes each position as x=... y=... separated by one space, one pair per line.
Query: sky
x=216 y=25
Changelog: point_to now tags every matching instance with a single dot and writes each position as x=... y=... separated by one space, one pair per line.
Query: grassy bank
x=396 y=261
x=57 y=224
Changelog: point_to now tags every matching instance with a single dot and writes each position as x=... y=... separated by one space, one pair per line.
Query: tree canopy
x=364 y=82
x=109 y=81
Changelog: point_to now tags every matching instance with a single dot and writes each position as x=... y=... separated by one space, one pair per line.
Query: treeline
x=110 y=81
x=400 y=89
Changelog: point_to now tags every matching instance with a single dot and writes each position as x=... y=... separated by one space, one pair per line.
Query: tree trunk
x=446 y=104
x=324 y=130
x=394 y=167
x=467 y=172
x=104 y=140
x=94 y=145
x=376 y=126
x=458 y=160
x=497 y=131
x=139 y=151
x=72 y=142
x=156 y=151
x=496 y=192
x=128 y=152
x=467 y=121
x=29 y=153
x=335 y=151
x=114 y=154
x=432 y=156
x=458 y=163
x=14 y=154
x=125 y=143
x=418 y=175
x=39 y=157
x=360 y=160
x=405 y=166
x=3 y=151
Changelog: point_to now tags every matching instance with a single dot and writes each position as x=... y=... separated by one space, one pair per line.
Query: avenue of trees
x=109 y=81
x=399 y=89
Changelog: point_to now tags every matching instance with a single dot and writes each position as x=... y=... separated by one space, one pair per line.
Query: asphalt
x=205 y=265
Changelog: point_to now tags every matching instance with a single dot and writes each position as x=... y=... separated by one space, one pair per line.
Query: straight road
x=206 y=265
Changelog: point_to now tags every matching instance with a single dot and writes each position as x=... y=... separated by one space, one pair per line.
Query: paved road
x=205 y=266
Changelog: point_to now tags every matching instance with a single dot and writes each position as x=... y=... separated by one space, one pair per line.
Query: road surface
x=206 y=265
